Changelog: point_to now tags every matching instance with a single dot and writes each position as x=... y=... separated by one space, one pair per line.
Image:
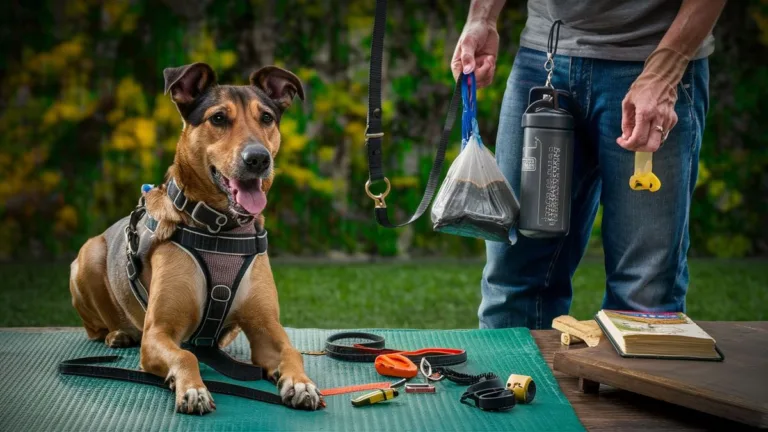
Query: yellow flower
x=67 y=217
x=50 y=179
x=144 y=130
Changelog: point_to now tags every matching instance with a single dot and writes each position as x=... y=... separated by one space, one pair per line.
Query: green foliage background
x=84 y=122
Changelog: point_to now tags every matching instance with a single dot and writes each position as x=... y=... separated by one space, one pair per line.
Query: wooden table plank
x=613 y=409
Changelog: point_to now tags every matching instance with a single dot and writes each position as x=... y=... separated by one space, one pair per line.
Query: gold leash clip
x=379 y=199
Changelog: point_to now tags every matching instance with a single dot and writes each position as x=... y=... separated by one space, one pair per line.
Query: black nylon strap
x=231 y=244
x=85 y=367
x=226 y=364
x=374 y=132
x=489 y=395
x=375 y=347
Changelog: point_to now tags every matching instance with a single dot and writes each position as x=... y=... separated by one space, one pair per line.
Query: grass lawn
x=395 y=295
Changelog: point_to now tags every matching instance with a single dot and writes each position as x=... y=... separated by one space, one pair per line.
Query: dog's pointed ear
x=279 y=84
x=188 y=82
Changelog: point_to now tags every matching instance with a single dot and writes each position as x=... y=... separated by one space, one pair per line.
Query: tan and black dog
x=224 y=159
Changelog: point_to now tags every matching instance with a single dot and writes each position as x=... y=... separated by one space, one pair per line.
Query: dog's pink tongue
x=249 y=195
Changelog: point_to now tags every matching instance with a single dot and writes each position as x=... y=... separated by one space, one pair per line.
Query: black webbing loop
x=553 y=38
x=374 y=132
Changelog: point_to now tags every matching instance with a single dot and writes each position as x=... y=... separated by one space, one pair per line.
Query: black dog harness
x=222 y=256
x=223 y=252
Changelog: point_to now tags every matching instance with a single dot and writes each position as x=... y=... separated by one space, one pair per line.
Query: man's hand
x=478 y=44
x=476 y=51
x=649 y=103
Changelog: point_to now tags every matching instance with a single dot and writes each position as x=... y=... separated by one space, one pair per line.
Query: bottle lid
x=548 y=118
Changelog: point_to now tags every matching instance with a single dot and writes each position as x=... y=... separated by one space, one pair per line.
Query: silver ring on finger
x=664 y=134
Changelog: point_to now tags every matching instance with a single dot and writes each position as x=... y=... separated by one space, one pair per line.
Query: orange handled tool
x=395 y=365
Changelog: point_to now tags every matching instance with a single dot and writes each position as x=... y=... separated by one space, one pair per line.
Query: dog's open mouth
x=245 y=196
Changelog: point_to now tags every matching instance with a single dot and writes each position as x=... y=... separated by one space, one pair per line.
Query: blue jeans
x=645 y=234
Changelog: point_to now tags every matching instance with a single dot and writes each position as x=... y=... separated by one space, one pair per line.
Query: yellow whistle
x=374 y=397
x=644 y=178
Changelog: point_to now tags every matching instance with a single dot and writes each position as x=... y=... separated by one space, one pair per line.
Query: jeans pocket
x=685 y=86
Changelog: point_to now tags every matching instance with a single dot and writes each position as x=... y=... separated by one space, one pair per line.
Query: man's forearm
x=485 y=10
x=694 y=21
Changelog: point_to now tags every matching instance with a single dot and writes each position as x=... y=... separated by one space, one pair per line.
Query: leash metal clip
x=379 y=199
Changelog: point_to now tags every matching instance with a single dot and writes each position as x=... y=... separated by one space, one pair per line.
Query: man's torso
x=606 y=29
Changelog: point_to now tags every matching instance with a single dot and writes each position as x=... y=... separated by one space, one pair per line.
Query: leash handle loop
x=469 y=112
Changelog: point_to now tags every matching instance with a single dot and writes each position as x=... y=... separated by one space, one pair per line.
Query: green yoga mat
x=35 y=397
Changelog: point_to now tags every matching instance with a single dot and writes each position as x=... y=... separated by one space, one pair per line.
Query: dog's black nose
x=256 y=157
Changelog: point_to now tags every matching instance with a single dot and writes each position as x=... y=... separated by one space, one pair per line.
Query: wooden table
x=613 y=409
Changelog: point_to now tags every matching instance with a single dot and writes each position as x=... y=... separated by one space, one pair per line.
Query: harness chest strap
x=219 y=297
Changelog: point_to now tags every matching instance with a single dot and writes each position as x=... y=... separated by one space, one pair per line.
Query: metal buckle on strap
x=131 y=270
x=221 y=219
x=131 y=240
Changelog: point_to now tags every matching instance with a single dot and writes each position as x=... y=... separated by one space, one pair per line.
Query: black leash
x=462 y=378
x=85 y=367
x=374 y=132
x=374 y=347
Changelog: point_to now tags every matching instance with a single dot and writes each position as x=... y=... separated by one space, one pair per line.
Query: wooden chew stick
x=567 y=339
x=588 y=331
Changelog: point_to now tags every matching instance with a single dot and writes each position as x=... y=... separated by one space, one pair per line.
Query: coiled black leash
x=462 y=378
x=374 y=132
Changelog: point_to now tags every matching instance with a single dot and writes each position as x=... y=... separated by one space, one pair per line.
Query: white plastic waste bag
x=475 y=199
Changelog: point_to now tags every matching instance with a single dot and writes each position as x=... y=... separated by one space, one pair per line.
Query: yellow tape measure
x=523 y=388
x=644 y=178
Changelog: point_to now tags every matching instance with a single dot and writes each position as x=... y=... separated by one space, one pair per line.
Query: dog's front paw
x=194 y=401
x=300 y=393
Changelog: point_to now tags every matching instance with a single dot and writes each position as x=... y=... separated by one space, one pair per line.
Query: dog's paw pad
x=196 y=401
x=302 y=395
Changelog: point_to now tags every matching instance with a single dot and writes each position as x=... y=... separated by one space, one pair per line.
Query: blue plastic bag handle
x=469 y=113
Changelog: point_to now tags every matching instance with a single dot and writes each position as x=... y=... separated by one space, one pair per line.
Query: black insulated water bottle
x=547 y=166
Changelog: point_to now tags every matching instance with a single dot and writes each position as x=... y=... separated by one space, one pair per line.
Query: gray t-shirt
x=605 y=29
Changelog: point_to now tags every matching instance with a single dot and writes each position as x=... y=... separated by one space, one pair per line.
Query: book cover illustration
x=658 y=323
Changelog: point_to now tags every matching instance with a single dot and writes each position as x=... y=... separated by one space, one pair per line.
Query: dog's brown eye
x=267 y=118
x=218 y=119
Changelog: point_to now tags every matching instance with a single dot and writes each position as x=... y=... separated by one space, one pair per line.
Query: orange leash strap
x=356 y=388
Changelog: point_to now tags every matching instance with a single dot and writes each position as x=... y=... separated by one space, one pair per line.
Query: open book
x=661 y=335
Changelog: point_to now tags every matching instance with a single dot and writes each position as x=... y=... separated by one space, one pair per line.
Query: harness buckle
x=131 y=240
x=221 y=219
x=379 y=198
x=131 y=269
